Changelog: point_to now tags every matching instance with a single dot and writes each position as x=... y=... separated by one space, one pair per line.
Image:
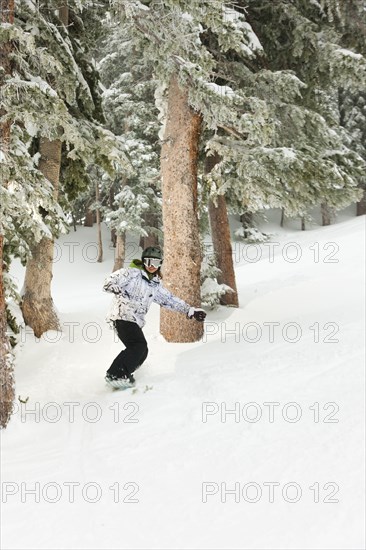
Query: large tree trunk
x=120 y=251
x=182 y=251
x=37 y=304
x=6 y=364
x=221 y=239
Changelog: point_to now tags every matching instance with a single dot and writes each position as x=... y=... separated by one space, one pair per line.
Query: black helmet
x=152 y=252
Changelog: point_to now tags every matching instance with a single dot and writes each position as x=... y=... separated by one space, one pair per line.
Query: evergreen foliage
x=52 y=93
x=211 y=290
x=130 y=111
x=265 y=79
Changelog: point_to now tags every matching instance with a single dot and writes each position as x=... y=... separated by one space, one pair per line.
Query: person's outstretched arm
x=166 y=299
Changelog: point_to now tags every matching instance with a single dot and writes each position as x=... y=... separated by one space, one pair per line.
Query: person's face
x=151 y=269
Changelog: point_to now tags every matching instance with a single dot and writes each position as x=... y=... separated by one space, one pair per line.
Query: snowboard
x=125 y=385
x=119 y=384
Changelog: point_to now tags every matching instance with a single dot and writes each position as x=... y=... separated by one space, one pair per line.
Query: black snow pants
x=136 y=350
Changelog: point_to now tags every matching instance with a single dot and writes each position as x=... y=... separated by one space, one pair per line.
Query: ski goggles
x=153 y=262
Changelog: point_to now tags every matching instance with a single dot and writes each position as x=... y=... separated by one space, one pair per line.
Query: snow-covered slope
x=168 y=465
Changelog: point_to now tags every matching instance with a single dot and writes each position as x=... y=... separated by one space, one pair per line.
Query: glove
x=196 y=313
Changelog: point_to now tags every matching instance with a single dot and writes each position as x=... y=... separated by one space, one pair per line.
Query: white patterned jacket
x=134 y=293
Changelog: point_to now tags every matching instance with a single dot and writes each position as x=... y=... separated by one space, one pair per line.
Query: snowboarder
x=134 y=289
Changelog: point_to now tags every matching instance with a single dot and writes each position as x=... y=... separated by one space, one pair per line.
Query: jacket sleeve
x=116 y=281
x=166 y=299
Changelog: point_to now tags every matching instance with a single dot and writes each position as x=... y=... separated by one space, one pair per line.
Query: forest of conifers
x=159 y=118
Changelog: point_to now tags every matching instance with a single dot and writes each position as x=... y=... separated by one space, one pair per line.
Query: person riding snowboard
x=134 y=289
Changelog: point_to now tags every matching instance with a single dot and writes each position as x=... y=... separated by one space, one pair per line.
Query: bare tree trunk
x=182 y=251
x=327 y=214
x=119 y=257
x=303 y=224
x=6 y=363
x=37 y=304
x=361 y=205
x=221 y=238
x=99 y=228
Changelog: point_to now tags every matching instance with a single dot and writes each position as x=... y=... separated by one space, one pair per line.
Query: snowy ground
x=169 y=466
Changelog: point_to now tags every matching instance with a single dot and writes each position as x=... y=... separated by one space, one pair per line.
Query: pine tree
x=306 y=159
x=50 y=101
x=172 y=36
x=129 y=105
x=37 y=303
x=264 y=79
